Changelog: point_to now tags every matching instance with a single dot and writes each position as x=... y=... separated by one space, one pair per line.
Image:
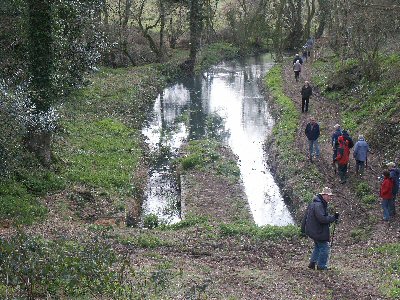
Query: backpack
x=343 y=152
x=397 y=171
x=347 y=137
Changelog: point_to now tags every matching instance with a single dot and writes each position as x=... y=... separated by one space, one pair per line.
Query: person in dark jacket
x=312 y=132
x=297 y=58
x=306 y=93
x=315 y=224
x=360 y=153
x=394 y=174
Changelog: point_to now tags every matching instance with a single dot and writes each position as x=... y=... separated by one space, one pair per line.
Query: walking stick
x=333 y=233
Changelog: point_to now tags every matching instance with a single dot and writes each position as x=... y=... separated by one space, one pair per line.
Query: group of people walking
x=316 y=221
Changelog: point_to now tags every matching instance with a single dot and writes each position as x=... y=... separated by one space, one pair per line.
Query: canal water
x=224 y=103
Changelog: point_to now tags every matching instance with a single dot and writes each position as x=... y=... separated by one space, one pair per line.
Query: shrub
x=149 y=241
x=37 y=268
x=151 y=221
x=18 y=205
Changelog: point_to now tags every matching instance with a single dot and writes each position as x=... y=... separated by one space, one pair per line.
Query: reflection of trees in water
x=215 y=128
x=197 y=116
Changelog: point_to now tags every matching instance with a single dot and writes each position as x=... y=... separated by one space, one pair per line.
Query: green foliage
x=392 y=252
x=365 y=194
x=18 y=205
x=361 y=233
x=144 y=240
x=151 y=221
x=368 y=107
x=267 y=232
x=101 y=154
x=190 y=221
x=206 y=154
x=214 y=53
x=40 y=182
x=38 y=268
x=149 y=241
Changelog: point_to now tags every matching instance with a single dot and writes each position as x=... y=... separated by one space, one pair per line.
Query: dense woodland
x=73 y=70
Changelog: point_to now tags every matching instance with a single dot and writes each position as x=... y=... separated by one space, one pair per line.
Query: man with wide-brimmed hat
x=315 y=224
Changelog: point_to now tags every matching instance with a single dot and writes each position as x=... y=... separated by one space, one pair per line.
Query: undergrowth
x=371 y=108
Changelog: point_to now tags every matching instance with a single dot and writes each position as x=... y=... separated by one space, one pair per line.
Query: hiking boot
x=322 y=268
x=312 y=265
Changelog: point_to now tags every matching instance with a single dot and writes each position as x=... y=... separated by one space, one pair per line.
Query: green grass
x=261 y=233
x=18 y=205
x=368 y=107
x=190 y=221
x=206 y=155
x=101 y=154
x=144 y=240
x=392 y=268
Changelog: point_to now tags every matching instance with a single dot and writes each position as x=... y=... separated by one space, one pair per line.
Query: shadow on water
x=224 y=103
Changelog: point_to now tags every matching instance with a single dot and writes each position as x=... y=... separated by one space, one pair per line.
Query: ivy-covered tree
x=55 y=42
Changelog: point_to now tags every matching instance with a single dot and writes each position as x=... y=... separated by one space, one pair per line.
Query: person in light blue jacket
x=360 y=154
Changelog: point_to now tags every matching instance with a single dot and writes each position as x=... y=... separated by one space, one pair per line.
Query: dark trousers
x=304 y=104
x=297 y=75
x=342 y=170
x=392 y=206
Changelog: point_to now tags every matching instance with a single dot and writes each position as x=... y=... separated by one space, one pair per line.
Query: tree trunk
x=324 y=15
x=40 y=69
x=310 y=16
x=39 y=142
x=196 y=26
x=162 y=30
x=278 y=35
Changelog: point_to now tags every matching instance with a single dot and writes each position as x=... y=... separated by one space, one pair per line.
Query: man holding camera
x=315 y=224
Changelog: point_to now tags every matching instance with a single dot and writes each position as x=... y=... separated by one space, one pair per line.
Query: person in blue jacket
x=360 y=153
x=315 y=224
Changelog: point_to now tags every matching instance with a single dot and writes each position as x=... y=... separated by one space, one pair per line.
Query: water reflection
x=197 y=108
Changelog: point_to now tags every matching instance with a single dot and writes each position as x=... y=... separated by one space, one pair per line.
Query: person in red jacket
x=342 y=158
x=386 y=195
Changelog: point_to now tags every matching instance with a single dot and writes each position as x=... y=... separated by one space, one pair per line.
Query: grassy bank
x=369 y=107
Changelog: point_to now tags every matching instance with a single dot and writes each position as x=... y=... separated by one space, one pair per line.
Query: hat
x=360 y=137
x=391 y=164
x=336 y=126
x=297 y=54
x=326 y=191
